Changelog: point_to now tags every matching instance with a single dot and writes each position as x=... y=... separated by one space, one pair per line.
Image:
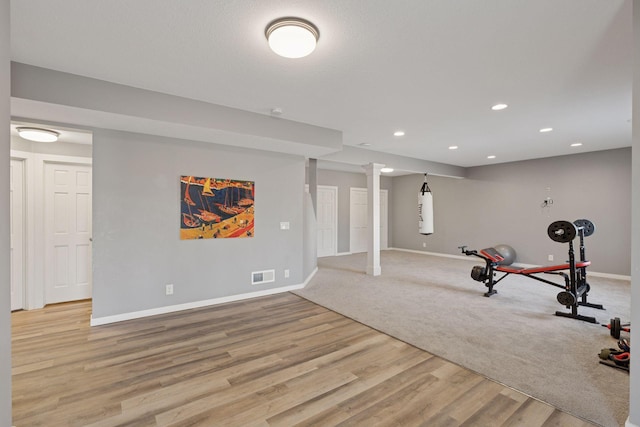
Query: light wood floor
x=272 y=361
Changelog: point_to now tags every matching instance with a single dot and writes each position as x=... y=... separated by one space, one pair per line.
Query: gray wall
x=59 y=148
x=136 y=245
x=501 y=204
x=5 y=296
x=634 y=414
x=344 y=181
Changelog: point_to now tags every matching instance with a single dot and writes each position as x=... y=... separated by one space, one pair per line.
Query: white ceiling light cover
x=38 y=134
x=292 y=37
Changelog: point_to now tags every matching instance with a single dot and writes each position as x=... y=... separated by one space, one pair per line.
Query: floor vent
x=266 y=276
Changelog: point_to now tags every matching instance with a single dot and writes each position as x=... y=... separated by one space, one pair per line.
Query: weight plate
x=566 y=298
x=588 y=228
x=562 y=231
x=615 y=327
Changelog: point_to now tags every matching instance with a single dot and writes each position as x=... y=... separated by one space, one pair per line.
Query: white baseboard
x=630 y=424
x=470 y=258
x=413 y=251
x=197 y=304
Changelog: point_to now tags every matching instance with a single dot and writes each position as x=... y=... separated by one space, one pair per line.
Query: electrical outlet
x=169 y=289
x=286 y=273
x=550 y=257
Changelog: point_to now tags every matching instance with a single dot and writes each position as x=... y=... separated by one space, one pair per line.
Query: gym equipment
x=425 y=209
x=615 y=358
x=506 y=252
x=615 y=327
x=575 y=287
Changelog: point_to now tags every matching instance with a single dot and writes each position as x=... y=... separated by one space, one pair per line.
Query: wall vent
x=266 y=276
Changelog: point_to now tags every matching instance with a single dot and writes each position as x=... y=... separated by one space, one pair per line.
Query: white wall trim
x=630 y=424
x=187 y=306
x=197 y=304
x=344 y=253
x=468 y=258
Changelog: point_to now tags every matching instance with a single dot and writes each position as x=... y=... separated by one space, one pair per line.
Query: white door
x=358 y=217
x=16 y=213
x=67 y=264
x=327 y=203
x=358 y=220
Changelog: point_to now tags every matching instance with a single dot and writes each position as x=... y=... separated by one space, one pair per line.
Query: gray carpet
x=512 y=337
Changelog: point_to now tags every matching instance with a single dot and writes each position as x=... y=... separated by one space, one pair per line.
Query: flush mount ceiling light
x=543 y=130
x=576 y=144
x=499 y=107
x=38 y=134
x=453 y=147
x=292 y=37
x=491 y=157
x=386 y=170
x=398 y=133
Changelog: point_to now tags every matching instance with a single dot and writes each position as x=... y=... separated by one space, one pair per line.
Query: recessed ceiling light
x=386 y=170
x=38 y=134
x=576 y=144
x=398 y=133
x=453 y=147
x=543 y=130
x=499 y=107
x=292 y=37
x=364 y=144
x=491 y=157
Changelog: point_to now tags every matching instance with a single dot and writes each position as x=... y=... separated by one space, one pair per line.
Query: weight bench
x=575 y=287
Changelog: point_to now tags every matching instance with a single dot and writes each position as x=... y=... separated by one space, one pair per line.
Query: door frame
x=23 y=232
x=34 y=221
x=48 y=201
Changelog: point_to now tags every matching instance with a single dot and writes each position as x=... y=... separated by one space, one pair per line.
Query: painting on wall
x=215 y=208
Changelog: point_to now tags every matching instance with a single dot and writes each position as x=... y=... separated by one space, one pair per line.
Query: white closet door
x=67 y=232
x=359 y=220
x=327 y=220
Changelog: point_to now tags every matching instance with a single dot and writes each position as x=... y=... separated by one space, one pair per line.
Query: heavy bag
x=425 y=209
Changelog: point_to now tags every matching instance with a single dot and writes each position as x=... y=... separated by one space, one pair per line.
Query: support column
x=5 y=268
x=312 y=180
x=373 y=225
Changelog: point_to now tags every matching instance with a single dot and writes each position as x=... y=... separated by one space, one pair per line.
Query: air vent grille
x=260 y=277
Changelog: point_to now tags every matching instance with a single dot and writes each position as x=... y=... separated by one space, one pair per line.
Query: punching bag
x=425 y=209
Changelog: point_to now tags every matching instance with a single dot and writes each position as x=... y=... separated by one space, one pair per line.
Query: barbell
x=565 y=231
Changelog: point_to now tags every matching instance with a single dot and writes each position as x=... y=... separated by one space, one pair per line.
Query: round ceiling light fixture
x=38 y=134
x=292 y=37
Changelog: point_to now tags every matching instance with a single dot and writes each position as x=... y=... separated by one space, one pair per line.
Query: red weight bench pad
x=492 y=254
x=514 y=269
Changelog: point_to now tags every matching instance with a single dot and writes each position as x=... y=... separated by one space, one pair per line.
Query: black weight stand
x=576 y=286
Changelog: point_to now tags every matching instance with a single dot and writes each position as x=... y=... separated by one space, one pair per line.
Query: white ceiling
x=432 y=68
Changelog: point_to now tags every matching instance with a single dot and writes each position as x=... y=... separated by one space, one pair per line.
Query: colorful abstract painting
x=215 y=208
